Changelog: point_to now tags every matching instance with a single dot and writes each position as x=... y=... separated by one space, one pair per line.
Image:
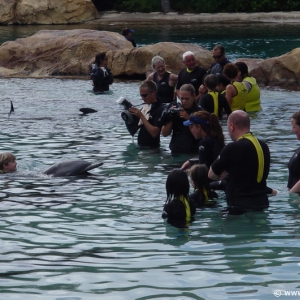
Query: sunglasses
x=219 y=56
x=144 y=95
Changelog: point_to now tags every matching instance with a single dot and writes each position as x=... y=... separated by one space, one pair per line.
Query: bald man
x=245 y=164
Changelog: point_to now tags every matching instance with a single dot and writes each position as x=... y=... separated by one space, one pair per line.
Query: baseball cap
x=194 y=120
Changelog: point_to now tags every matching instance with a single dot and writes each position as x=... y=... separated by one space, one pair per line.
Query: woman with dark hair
x=253 y=95
x=202 y=195
x=206 y=127
x=127 y=32
x=101 y=75
x=236 y=91
x=178 y=209
x=294 y=163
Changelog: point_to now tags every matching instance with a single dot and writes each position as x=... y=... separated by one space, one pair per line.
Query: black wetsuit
x=199 y=198
x=182 y=140
x=164 y=92
x=144 y=137
x=206 y=101
x=216 y=68
x=195 y=78
x=101 y=79
x=240 y=160
x=209 y=150
x=175 y=212
x=294 y=169
x=132 y=41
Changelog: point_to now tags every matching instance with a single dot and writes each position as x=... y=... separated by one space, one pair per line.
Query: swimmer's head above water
x=7 y=162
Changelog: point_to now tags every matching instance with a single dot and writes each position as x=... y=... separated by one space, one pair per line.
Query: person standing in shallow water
x=165 y=81
x=101 y=75
x=178 y=208
x=294 y=163
x=245 y=164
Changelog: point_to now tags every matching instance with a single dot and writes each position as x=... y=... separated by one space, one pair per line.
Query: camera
x=125 y=114
x=171 y=110
x=175 y=111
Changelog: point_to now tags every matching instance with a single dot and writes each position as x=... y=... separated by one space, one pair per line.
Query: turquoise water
x=103 y=237
x=240 y=40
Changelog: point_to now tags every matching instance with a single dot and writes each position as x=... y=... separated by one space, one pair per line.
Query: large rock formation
x=283 y=70
x=46 y=11
x=57 y=52
x=71 y=52
x=137 y=61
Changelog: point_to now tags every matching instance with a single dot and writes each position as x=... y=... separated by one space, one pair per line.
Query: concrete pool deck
x=291 y=17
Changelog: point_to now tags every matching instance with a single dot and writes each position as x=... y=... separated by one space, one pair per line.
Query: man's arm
x=295 y=188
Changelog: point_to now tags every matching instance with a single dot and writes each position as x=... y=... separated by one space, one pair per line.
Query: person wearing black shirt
x=245 y=164
x=182 y=140
x=150 y=125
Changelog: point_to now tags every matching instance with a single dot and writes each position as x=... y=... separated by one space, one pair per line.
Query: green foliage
x=206 y=6
x=140 y=5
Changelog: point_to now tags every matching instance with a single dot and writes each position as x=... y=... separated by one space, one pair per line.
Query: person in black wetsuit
x=127 y=33
x=165 y=81
x=202 y=195
x=294 y=163
x=206 y=127
x=191 y=74
x=182 y=140
x=213 y=101
x=150 y=125
x=101 y=75
x=245 y=164
x=178 y=208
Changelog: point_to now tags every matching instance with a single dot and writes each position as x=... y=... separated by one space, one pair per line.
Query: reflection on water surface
x=78 y=238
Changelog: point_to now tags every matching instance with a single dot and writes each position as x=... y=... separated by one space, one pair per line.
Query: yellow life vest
x=215 y=96
x=253 y=96
x=239 y=100
x=260 y=153
x=187 y=208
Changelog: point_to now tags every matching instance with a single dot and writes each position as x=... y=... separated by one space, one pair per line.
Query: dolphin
x=12 y=110
x=86 y=110
x=71 y=168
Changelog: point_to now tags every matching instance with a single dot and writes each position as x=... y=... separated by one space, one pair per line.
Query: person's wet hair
x=243 y=68
x=99 y=57
x=230 y=71
x=220 y=47
x=177 y=184
x=6 y=158
x=148 y=84
x=211 y=81
x=199 y=175
x=213 y=128
x=296 y=117
x=157 y=59
x=222 y=79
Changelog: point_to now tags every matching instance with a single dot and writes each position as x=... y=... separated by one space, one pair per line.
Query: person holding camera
x=182 y=140
x=150 y=125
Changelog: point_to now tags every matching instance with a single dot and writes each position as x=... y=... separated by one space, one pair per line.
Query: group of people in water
x=239 y=168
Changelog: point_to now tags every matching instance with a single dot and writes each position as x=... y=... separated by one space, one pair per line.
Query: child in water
x=7 y=162
x=202 y=195
x=178 y=209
